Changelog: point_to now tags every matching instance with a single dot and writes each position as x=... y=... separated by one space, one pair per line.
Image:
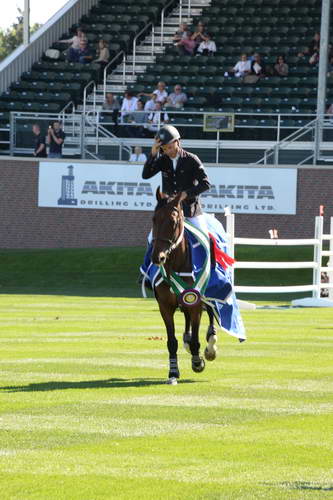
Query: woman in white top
x=207 y=47
x=103 y=57
x=75 y=40
x=128 y=106
x=243 y=67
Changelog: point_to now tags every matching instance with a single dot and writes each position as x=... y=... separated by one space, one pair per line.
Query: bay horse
x=170 y=249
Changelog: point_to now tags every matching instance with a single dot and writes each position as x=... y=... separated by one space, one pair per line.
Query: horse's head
x=168 y=226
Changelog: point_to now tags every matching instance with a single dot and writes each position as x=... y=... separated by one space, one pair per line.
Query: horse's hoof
x=172 y=381
x=198 y=364
x=211 y=349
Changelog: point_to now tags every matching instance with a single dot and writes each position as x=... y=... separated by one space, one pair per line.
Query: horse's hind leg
x=198 y=363
x=211 y=337
x=187 y=332
x=167 y=312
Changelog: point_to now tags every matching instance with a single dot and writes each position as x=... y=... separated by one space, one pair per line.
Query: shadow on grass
x=111 y=383
x=303 y=485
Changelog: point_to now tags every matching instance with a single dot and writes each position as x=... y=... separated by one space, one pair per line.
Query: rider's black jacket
x=189 y=176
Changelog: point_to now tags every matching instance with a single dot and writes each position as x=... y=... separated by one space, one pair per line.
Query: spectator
x=186 y=45
x=128 y=106
x=138 y=155
x=150 y=104
x=242 y=67
x=55 y=138
x=85 y=55
x=312 y=50
x=207 y=47
x=75 y=44
x=40 y=143
x=177 y=98
x=199 y=35
x=138 y=117
x=157 y=118
x=180 y=33
x=330 y=67
x=111 y=107
x=281 y=67
x=161 y=93
x=103 y=58
x=257 y=66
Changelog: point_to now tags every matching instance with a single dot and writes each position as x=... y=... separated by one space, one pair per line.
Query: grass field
x=85 y=413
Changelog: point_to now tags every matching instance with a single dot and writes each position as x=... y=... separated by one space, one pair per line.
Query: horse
x=170 y=250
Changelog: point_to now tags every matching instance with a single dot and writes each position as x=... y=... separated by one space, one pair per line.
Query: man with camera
x=55 y=137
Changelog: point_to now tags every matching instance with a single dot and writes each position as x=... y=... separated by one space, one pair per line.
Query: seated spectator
x=150 y=104
x=157 y=118
x=199 y=35
x=84 y=54
x=75 y=44
x=177 y=98
x=186 y=46
x=257 y=66
x=180 y=33
x=242 y=67
x=110 y=108
x=281 y=67
x=129 y=105
x=137 y=117
x=138 y=155
x=103 y=58
x=207 y=47
x=161 y=93
x=312 y=51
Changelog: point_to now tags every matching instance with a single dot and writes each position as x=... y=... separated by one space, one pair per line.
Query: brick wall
x=24 y=225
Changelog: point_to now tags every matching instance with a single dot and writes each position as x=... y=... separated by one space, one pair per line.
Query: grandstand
x=139 y=34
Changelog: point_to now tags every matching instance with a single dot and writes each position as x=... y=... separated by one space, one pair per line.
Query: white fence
x=316 y=264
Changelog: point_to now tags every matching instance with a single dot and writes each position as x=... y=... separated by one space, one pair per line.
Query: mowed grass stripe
x=85 y=413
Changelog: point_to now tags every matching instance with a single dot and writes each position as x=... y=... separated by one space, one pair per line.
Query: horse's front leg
x=211 y=337
x=198 y=363
x=167 y=313
x=187 y=332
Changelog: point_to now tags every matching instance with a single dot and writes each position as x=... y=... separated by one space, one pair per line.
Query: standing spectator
x=39 y=142
x=177 y=98
x=199 y=35
x=157 y=118
x=103 y=58
x=186 y=45
x=128 y=106
x=281 y=67
x=242 y=67
x=207 y=47
x=55 y=138
x=75 y=44
x=180 y=33
x=111 y=107
x=85 y=55
x=138 y=155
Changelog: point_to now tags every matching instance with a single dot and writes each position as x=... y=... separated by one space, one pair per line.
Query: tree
x=12 y=37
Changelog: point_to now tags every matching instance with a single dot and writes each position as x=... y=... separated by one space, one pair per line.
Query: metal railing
x=93 y=120
x=121 y=53
x=25 y=55
x=181 y=11
x=135 y=40
x=163 y=18
x=92 y=84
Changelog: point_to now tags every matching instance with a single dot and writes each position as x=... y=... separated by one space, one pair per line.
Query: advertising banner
x=121 y=187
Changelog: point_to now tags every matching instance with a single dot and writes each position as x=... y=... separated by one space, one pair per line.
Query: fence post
x=330 y=262
x=317 y=256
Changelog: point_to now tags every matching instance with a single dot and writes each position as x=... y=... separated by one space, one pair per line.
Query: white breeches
x=199 y=221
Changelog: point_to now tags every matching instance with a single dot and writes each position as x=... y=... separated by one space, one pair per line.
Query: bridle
x=175 y=241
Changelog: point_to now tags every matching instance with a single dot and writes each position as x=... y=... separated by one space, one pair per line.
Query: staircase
x=156 y=41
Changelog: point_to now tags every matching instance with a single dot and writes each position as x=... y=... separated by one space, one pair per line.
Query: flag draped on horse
x=213 y=282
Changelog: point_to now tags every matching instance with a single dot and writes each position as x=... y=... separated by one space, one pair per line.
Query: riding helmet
x=167 y=134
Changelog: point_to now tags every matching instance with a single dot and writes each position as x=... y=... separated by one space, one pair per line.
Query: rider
x=181 y=172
